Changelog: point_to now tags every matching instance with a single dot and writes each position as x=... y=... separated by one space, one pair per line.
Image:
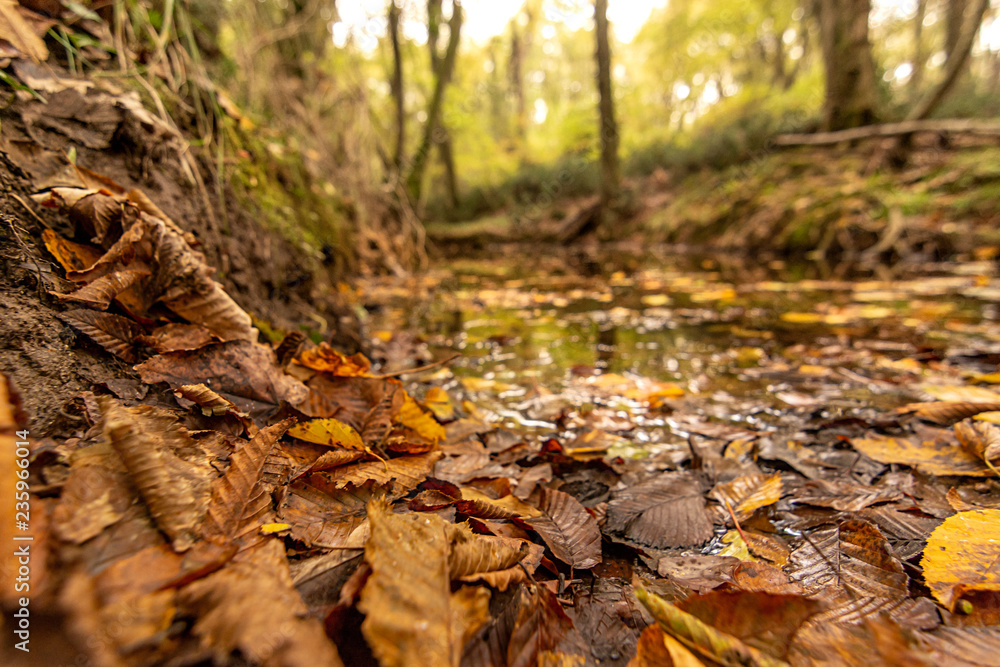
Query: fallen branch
x=953 y=126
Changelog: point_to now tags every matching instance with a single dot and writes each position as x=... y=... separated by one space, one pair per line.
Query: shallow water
x=591 y=336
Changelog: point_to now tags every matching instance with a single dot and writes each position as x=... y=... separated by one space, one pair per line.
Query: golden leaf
x=411 y=416
x=961 y=555
x=934 y=458
x=329 y=432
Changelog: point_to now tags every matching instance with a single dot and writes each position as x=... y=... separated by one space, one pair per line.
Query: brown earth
x=109 y=133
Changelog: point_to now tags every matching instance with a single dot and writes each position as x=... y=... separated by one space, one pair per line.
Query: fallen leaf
x=114 y=333
x=931 y=457
x=541 y=626
x=981 y=439
x=749 y=493
x=666 y=511
x=329 y=432
x=411 y=615
x=658 y=649
x=568 y=530
x=18 y=32
x=948 y=412
x=961 y=556
x=327 y=360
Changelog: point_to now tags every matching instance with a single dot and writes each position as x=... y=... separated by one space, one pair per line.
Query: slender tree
x=396 y=85
x=850 y=69
x=610 y=173
x=414 y=180
x=442 y=137
x=919 y=50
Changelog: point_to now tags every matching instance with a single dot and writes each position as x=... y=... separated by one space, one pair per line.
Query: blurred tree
x=610 y=171
x=850 y=69
x=442 y=76
x=442 y=137
x=396 y=85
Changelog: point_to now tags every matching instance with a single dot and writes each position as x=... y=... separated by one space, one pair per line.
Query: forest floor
x=825 y=203
x=607 y=458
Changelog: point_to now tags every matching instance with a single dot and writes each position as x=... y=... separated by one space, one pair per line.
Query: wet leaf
x=70 y=255
x=473 y=554
x=703 y=638
x=931 y=457
x=877 y=641
x=699 y=573
x=333 y=518
x=439 y=402
x=666 y=511
x=568 y=530
x=961 y=556
x=764 y=578
x=411 y=615
x=114 y=333
x=403 y=473
x=749 y=493
x=843 y=496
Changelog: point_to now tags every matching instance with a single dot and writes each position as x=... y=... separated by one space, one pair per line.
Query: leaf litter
x=284 y=504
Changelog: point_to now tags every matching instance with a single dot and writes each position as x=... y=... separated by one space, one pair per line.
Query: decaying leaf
x=699 y=573
x=402 y=473
x=411 y=416
x=152 y=443
x=843 y=496
x=658 y=649
x=18 y=32
x=666 y=511
x=878 y=640
x=703 y=638
x=252 y=606
x=411 y=615
x=961 y=556
x=931 y=457
x=541 y=626
x=334 y=518
x=949 y=412
x=568 y=530
x=327 y=360
x=96 y=495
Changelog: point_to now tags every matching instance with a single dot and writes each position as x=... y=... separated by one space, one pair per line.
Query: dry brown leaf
x=699 y=573
x=961 y=556
x=517 y=573
x=981 y=439
x=764 y=578
x=96 y=495
x=243 y=372
x=102 y=291
x=179 y=338
x=568 y=530
x=411 y=615
x=241 y=499
x=403 y=473
x=473 y=554
x=18 y=32
x=749 y=493
x=114 y=333
x=931 y=457
x=151 y=443
x=877 y=641
x=844 y=496
x=330 y=517
x=541 y=626
x=252 y=606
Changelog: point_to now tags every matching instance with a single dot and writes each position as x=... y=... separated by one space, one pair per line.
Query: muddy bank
x=282 y=286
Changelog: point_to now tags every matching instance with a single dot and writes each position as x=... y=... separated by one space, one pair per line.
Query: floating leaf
x=568 y=530
x=962 y=555
x=931 y=457
x=703 y=638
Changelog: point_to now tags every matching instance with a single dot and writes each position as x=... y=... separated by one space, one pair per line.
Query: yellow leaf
x=961 y=556
x=411 y=416
x=931 y=457
x=962 y=394
x=269 y=528
x=991 y=417
x=736 y=547
x=329 y=432
x=802 y=318
x=438 y=400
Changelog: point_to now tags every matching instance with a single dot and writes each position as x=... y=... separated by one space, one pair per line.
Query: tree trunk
x=610 y=175
x=415 y=179
x=516 y=74
x=850 y=68
x=442 y=137
x=396 y=85
x=955 y=63
x=919 y=55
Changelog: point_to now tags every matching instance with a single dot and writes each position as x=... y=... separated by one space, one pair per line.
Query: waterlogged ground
x=634 y=355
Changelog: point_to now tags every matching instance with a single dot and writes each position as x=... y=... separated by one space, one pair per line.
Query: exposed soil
x=277 y=283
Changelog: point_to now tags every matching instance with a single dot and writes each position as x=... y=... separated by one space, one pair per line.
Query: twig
x=29 y=209
x=418 y=369
x=737 y=523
